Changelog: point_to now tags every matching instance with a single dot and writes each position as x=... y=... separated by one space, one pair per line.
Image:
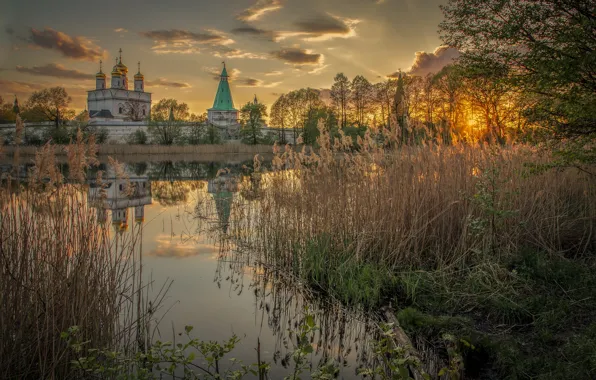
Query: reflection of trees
x=281 y=302
x=174 y=193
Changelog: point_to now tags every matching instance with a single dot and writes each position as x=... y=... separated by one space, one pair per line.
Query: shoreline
x=138 y=153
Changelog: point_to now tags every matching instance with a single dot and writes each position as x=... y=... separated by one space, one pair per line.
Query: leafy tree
x=361 y=99
x=252 y=117
x=170 y=107
x=340 y=95
x=7 y=114
x=279 y=116
x=51 y=104
x=548 y=49
x=167 y=116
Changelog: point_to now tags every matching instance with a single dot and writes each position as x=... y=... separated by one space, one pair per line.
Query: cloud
x=425 y=63
x=120 y=30
x=260 y=8
x=255 y=32
x=318 y=70
x=19 y=88
x=71 y=47
x=162 y=82
x=231 y=53
x=185 y=42
x=215 y=72
x=249 y=82
x=321 y=28
x=54 y=70
x=252 y=82
x=274 y=73
x=297 y=56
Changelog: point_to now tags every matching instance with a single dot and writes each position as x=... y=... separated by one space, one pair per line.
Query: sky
x=270 y=46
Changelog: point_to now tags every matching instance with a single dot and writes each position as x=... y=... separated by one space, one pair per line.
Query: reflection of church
x=222 y=190
x=119 y=198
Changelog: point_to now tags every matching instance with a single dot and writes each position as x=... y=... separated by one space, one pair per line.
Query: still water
x=179 y=214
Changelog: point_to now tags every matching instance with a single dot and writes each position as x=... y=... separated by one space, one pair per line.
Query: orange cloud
x=72 y=47
x=258 y=10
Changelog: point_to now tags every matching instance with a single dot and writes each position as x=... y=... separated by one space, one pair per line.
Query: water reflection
x=182 y=214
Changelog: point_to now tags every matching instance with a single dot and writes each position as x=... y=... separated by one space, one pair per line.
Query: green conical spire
x=223 y=98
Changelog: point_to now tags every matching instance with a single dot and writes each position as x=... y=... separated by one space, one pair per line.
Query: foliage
x=50 y=104
x=138 y=137
x=165 y=132
x=167 y=109
x=442 y=229
x=252 y=118
x=547 y=47
x=340 y=95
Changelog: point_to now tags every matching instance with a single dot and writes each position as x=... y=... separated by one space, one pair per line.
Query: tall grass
x=482 y=233
x=425 y=207
x=61 y=267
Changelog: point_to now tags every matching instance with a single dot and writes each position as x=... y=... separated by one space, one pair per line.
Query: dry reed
x=61 y=267
x=430 y=207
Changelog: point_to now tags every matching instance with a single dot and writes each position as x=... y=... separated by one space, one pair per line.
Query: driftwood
x=402 y=339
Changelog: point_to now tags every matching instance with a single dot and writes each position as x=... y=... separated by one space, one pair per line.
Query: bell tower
x=100 y=78
x=139 y=80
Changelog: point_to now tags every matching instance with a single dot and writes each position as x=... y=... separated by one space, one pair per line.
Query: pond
x=178 y=215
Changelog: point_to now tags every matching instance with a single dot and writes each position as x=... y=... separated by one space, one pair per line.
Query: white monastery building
x=118 y=102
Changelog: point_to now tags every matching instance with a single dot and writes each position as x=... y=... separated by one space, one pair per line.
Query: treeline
x=453 y=104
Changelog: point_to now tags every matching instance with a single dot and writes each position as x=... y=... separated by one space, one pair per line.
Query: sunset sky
x=270 y=46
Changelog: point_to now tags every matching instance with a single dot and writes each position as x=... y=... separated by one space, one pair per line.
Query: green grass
x=529 y=317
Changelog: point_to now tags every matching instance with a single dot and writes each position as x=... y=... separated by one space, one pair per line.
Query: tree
x=383 y=99
x=135 y=110
x=162 y=110
x=7 y=114
x=252 y=117
x=279 y=116
x=400 y=108
x=51 y=104
x=340 y=95
x=548 y=49
x=361 y=99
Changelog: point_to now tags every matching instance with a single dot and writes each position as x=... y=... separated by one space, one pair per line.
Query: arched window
x=143 y=112
x=119 y=109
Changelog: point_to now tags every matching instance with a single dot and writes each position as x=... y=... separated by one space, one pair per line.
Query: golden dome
x=116 y=72
x=100 y=75
x=122 y=67
x=139 y=76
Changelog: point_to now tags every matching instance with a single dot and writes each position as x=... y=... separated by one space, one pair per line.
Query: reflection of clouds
x=172 y=247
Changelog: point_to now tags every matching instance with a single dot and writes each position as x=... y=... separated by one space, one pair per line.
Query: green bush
x=138 y=137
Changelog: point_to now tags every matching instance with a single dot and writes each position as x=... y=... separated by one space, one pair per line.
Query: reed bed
x=488 y=244
x=425 y=207
x=62 y=267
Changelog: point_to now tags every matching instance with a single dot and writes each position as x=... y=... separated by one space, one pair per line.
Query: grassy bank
x=481 y=251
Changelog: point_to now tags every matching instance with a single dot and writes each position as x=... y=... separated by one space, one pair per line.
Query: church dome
x=122 y=67
x=116 y=71
x=139 y=76
x=100 y=75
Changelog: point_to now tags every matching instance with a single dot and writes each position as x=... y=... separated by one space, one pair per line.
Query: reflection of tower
x=222 y=190
x=140 y=214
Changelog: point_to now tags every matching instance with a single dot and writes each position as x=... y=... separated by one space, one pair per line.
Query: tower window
x=120 y=110
x=143 y=112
